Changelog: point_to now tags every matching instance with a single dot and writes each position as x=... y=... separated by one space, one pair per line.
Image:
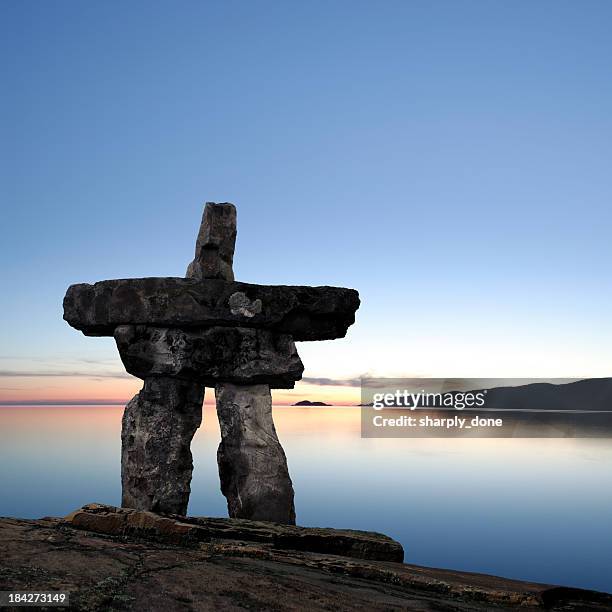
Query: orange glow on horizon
x=119 y=390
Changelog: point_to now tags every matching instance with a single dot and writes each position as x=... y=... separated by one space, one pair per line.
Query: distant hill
x=309 y=403
x=590 y=394
x=594 y=394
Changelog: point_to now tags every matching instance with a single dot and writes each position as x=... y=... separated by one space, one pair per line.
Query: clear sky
x=451 y=160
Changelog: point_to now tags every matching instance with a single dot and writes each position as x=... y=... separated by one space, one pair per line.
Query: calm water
x=536 y=509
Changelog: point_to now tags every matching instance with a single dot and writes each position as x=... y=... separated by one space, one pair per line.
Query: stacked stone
x=181 y=335
x=252 y=464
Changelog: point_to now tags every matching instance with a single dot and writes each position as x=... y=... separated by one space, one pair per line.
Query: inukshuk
x=181 y=335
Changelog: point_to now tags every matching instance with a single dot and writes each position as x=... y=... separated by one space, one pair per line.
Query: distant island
x=309 y=403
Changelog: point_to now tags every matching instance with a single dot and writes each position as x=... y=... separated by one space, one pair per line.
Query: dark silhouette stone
x=237 y=355
x=158 y=426
x=252 y=464
x=180 y=334
x=307 y=313
x=214 y=252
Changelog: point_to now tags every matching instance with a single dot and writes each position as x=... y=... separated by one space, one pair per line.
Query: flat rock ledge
x=118 y=559
x=192 y=530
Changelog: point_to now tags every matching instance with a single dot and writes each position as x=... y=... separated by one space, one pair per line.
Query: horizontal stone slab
x=114 y=521
x=307 y=313
x=239 y=355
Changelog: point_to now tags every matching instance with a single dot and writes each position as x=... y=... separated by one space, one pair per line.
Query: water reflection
x=536 y=509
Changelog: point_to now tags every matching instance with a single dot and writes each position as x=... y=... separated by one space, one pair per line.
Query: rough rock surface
x=307 y=313
x=156 y=462
x=141 y=573
x=239 y=355
x=252 y=464
x=189 y=529
x=214 y=252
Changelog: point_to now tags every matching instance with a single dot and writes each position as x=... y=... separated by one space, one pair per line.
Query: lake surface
x=535 y=509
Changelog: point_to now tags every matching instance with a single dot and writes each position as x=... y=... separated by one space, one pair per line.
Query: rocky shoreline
x=118 y=559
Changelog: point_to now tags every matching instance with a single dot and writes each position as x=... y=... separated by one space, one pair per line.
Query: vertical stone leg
x=156 y=463
x=252 y=464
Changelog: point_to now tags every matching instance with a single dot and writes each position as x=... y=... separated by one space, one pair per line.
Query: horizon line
x=20 y=403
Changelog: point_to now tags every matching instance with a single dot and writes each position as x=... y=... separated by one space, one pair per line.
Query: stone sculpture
x=181 y=335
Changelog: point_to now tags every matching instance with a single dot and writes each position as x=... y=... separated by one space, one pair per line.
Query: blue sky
x=450 y=160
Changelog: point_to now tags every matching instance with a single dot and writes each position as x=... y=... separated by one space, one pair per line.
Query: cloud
x=333 y=382
x=373 y=382
x=61 y=402
x=60 y=373
x=98 y=361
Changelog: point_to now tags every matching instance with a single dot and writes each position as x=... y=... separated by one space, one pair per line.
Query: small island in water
x=309 y=403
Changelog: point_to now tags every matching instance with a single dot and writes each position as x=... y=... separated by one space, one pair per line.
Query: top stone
x=214 y=253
